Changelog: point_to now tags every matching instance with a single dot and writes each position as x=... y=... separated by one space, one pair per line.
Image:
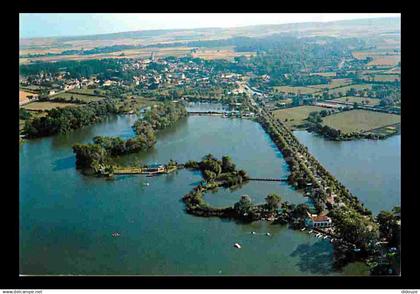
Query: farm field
x=360 y=120
x=382 y=77
x=205 y=53
x=385 y=60
x=32 y=88
x=385 y=57
x=86 y=91
x=131 y=53
x=46 y=105
x=375 y=52
x=222 y=53
x=344 y=89
x=134 y=103
x=324 y=74
x=25 y=96
x=394 y=70
x=334 y=83
x=360 y=100
x=295 y=116
x=296 y=90
x=68 y=97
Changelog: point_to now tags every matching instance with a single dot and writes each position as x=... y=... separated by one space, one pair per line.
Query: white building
x=318 y=221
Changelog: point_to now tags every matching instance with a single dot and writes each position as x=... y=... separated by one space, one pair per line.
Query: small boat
x=146 y=184
x=253 y=233
x=303 y=229
x=116 y=234
x=310 y=231
x=356 y=250
x=268 y=234
x=236 y=245
x=325 y=237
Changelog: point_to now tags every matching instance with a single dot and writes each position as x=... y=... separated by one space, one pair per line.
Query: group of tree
x=387 y=260
x=145 y=128
x=76 y=69
x=222 y=171
x=24 y=114
x=355 y=228
x=63 y=120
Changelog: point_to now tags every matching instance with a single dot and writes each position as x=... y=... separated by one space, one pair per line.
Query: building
x=318 y=221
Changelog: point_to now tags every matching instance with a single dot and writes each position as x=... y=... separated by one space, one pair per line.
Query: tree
x=227 y=164
x=272 y=201
x=354 y=227
x=243 y=205
x=209 y=157
x=389 y=226
x=24 y=114
x=300 y=210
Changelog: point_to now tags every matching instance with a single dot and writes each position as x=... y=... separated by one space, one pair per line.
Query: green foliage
x=107 y=68
x=272 y=201
x=145 y=128
x=91 y=156
x=390 y=226
x=63 y=120
x=355 y=227
x=227 y=164
x=24 y=114
x=243 y=205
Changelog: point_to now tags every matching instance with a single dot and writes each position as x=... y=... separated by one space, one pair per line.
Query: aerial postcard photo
x=202 y=144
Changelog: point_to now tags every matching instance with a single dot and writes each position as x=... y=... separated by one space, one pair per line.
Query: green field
x=295 y=116
x=334 y=83
x=360 y=100
x=45 y=105
x=87 y=91
x=324 y=74
x=68 y=96
x=135 y=103
x=382 y=77
x=344 y=89
x=295 y=90
x=360 y=120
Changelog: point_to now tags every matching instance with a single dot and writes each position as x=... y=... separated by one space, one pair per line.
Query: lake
x=370 y=169
x=67 y=219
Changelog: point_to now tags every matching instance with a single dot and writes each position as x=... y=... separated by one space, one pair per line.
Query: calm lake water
x=67 y=219
x=370 y=169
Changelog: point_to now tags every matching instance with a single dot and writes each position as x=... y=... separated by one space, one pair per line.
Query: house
x=107 y=83
x=318 y=221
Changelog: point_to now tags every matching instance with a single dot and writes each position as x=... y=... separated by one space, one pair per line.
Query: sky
x=33 y=25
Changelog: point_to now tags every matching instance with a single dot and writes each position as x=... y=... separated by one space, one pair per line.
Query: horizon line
x=198 y=28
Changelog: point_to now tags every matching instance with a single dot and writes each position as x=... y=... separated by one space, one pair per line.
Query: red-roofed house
x=318 y=221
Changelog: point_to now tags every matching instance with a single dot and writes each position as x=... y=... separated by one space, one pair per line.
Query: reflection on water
x=370 y=169
x=314 y=258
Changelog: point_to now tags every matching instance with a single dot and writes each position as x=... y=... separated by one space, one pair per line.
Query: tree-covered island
x=97 y=157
